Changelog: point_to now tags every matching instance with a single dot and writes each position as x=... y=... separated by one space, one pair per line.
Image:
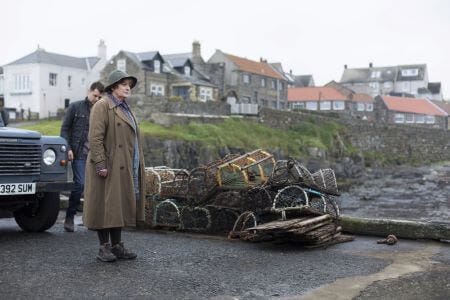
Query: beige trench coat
x=110 y=202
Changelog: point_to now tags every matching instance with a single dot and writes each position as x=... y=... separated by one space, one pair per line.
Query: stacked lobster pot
x=243 y=195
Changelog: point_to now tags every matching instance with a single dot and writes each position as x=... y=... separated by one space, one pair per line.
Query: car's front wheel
x=40 y=215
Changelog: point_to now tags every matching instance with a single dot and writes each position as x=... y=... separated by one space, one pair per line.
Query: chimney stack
x=345 y=66
x=196 y=49
x=370 y=65
x=101 y=52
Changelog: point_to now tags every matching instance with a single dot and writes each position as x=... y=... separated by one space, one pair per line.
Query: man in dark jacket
x=75 y=129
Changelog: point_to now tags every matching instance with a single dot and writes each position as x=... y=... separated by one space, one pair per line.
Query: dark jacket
x=75 y=126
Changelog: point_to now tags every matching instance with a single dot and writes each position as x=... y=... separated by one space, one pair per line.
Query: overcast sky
x=310 y=37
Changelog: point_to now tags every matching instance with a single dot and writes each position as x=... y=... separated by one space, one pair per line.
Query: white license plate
x=17 y=188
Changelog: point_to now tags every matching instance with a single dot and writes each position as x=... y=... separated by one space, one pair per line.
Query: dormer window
x=410 y=72
x=157 y=66
x=187 y=70
x=375 y=74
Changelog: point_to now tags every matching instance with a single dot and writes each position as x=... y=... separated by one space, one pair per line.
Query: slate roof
x=444 y=105
x=40 y=56
x=178 y=60
x=413 y=105
x=303 y=80
x=361 y=97
x=393 y=73
x=254 y=67
x=314 y=94
x=1 y=70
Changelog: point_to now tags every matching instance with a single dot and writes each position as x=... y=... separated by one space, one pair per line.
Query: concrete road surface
x=171 y=265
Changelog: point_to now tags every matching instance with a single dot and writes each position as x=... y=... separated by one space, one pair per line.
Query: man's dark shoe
x=68 y=224
x=122 y=253
x=105 y=254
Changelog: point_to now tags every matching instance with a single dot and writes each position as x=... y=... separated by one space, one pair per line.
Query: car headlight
x=49 y=157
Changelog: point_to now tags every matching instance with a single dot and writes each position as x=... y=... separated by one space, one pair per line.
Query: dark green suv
x=33 y=171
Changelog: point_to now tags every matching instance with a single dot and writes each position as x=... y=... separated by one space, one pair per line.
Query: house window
x=52 y=79
x=311 y=105
x=281 y=86
x=410 y=72
x=369 y=107
x=187 y=70
x=387 y=85
x=430 y=119
x=298 y=105
x=157 y=66
x=274 y=104
x=156 y=89
x=263 y=82
x=274 y=84
x=264 y=102
x=205 y=94
x=409 y=118
x=122 y=65
x=246 y=78
x=375 y=74
x=282 y=105
x=420 y=119
x=374 y=85
x=399 y=118
x=22 y=83
x=246 y=99
x=325 y=105
x=360 y=107
x=69 y=81
x=338 y=105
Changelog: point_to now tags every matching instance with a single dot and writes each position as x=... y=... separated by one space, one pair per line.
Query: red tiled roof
x=314 y=94
x=359 y=97
x=413 y=105
x=250 y=66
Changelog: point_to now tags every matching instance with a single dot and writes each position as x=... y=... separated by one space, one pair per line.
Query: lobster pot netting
x=325 y=181
x=167 y=214
x=288 y=172
x=166 y=182
x=195 y=219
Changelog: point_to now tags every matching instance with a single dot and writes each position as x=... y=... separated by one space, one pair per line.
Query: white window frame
x=369 y=107
x=338 y=105
x=121 y=65
x=52 y=79
x=387 y=85
x=311 y=105
x=157 y=89
x=410 y=72
x=157 y=66
x=420 y=119
x=374 y=85
x=205 y=94
x=325 y=105
x=360 y=106
x=409 y=118
x=375 y=74
x=246 y=78
x=430 y=119
x=399 y=118
x=22 y=83
x=187 y=70
x=298 y=105
x=263 y=82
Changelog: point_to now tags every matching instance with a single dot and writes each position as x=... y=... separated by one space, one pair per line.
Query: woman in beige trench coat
x=114 y=185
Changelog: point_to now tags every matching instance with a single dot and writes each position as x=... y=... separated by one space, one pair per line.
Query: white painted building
x=41 y=83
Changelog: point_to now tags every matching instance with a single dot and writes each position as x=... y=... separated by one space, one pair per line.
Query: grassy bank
x=235 y=133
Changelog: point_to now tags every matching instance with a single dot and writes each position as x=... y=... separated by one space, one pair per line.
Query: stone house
x=410 y=111
x=332 y=99
x=244 y=81
x=445 y=106
x=41 y=83
x=392 y=80
x=164 y=77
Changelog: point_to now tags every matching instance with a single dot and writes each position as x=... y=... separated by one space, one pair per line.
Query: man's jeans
x=78 y=168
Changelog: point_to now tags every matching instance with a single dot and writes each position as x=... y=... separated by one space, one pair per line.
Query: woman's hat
x=116 y=76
